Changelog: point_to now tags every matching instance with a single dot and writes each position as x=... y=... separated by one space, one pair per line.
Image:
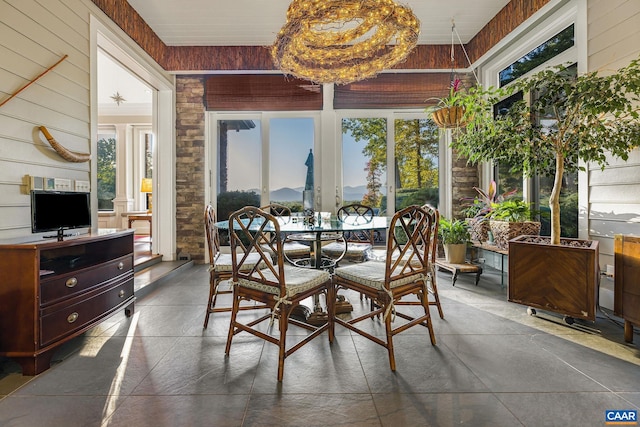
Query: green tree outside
x=416 y=156
x=106 y=173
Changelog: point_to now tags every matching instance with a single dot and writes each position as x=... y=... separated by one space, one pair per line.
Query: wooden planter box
x=627 y=282
x=557 y=278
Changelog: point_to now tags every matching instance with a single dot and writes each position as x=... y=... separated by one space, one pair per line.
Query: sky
x=290 y=141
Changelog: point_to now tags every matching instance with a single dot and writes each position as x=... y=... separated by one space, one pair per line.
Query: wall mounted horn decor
x=68 y=155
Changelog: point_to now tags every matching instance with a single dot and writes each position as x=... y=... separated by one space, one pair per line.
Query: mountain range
x=287 y=194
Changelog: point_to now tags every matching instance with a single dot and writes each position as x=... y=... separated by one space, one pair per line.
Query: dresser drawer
x=55 y=325
x=65 y=286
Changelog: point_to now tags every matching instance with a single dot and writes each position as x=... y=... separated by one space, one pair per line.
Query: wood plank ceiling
x=182 y=45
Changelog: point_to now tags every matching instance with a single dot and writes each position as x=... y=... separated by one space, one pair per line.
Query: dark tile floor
x=493 y=365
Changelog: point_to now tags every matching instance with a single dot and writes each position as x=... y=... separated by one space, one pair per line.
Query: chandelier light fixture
x=343 y=41
x=117 y=98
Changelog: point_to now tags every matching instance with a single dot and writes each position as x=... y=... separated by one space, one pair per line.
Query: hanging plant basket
x=448 y=117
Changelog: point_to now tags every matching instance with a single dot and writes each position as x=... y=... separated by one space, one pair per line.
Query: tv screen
x=58 y=210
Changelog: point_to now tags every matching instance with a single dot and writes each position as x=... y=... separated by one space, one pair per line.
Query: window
x=542 y=186
x=366 y=165
x=505 y=179
x=148 y=164
x=364 y=161
x=106 y=171
x=541 y=54
x=291 y=160
x=416 y=162
x=239 y=149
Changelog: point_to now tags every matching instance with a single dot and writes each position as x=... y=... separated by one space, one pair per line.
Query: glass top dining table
x=316 y=234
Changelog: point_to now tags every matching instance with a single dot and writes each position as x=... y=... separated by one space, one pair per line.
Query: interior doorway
x=136 y=100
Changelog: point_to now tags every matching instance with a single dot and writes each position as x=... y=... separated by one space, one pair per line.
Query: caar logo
x=621 y=417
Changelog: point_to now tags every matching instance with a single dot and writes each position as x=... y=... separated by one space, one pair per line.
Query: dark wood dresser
x=627 y=282
x=53 y=291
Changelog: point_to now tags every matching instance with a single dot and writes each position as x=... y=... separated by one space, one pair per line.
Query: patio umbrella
x=307 y=194
x=308 y=185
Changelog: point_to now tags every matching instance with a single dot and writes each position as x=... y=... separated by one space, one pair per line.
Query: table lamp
x=147 y=187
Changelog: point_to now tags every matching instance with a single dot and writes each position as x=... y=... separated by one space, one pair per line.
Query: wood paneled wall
x=32 y=38
x=127 y=18
x=505 y=21
x=614 y=193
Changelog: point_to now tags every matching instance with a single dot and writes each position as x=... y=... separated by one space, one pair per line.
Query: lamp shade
x=146 y=186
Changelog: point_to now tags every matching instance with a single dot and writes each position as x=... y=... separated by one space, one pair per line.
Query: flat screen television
x=59 y=211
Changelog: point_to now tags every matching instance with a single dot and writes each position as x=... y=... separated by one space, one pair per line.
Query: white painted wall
x=32 y=38
x=614 y=194
x=34 y=34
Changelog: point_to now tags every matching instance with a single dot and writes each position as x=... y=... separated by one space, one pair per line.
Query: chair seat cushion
x=224 y=263
x=292 y=249
x=371 y=274
x=297 y=280
x=381 y=256
x=295 y=248
x=355 y=251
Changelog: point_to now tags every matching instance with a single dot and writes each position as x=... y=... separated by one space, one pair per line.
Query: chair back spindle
x=408 y=243
x=253 y=230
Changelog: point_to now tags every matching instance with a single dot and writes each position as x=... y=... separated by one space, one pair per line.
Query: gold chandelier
x=343 y=41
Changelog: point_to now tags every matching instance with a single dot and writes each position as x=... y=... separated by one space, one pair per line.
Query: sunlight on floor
x=116 y=385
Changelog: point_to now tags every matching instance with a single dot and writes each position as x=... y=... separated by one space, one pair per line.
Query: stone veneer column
x=190 y=138
x=464 y=177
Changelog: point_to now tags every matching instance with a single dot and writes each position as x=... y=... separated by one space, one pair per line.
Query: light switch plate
x=83 y=186
x=62 y=184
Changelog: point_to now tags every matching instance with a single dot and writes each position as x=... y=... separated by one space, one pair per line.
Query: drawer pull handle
x=71 y=282
x=120 y=265
x=121 y=293
x=72 y=317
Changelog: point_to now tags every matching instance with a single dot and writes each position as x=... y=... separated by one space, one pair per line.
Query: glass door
x=390 y=162
x=364 y=162
x=291 y=161
x=416 y=149
x=239 y=161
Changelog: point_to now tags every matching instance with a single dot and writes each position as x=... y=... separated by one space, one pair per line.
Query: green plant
x=452 y=232
x=485 y=201
x=473 y=210
x=452 y=99
x=588 y=118
x=514 y=210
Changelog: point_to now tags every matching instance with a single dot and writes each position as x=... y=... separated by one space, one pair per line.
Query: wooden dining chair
x=432 y=285
x=220 y=266
x=292 y=249
x=406 y=274
x=352 y=245
x=433 y=253
x=280 y=286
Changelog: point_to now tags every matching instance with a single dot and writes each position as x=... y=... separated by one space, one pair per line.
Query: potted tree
x=585 y=118
x=454 y=237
